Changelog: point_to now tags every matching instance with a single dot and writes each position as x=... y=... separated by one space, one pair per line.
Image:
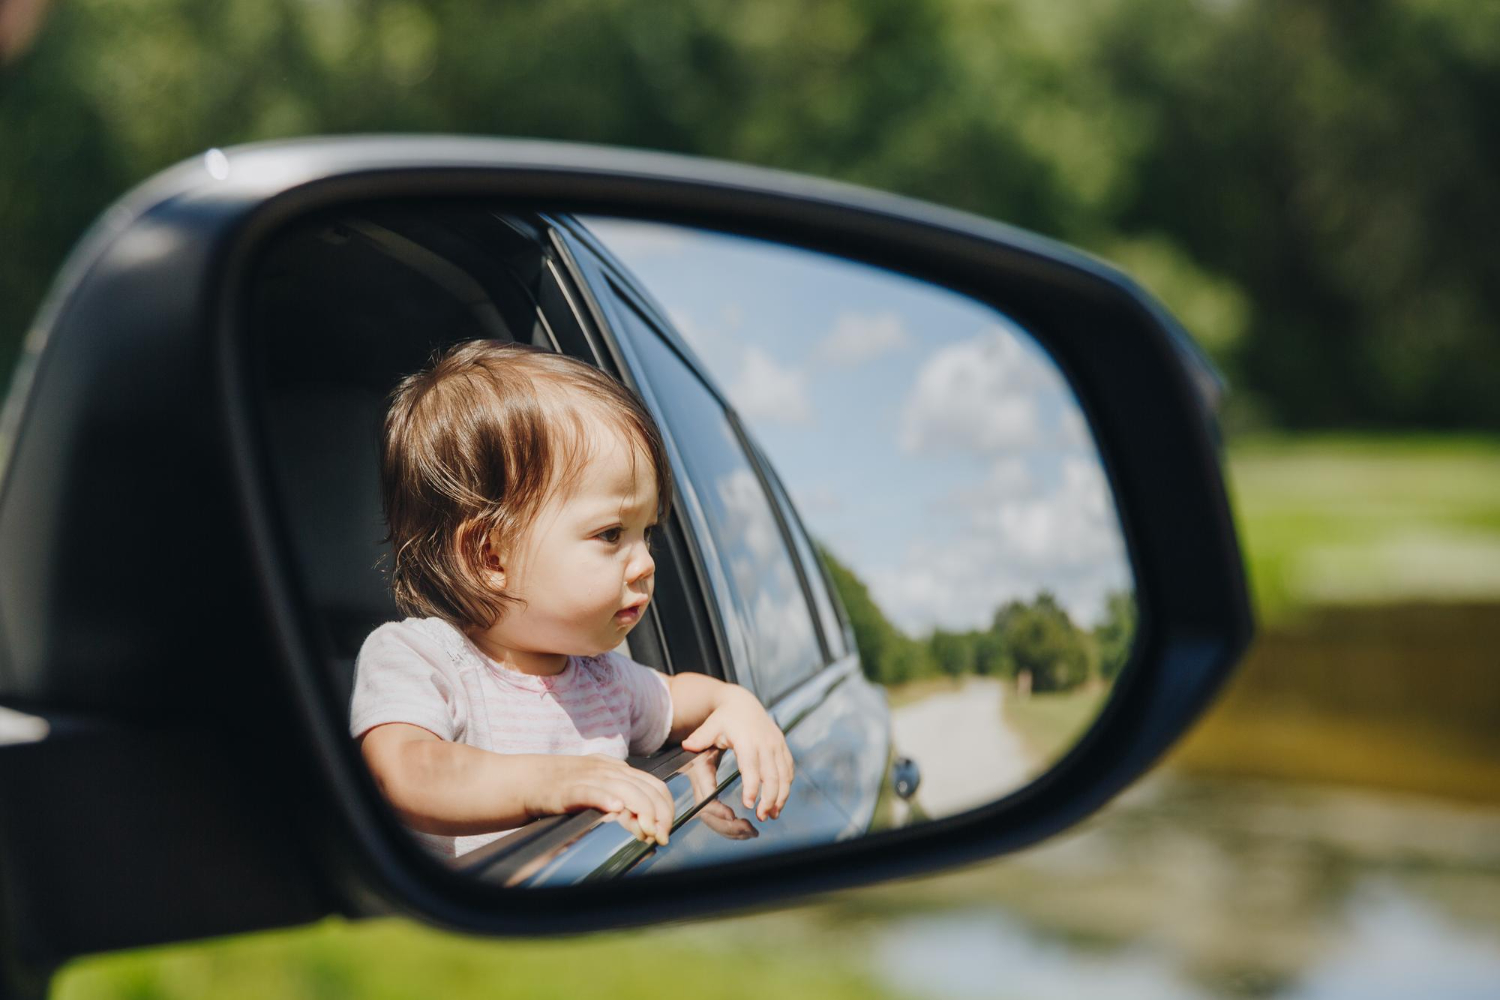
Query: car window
x=812 y=566
x=767 y=594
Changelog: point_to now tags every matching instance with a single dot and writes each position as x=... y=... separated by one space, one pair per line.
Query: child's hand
x=636 y=800
x=742 y=725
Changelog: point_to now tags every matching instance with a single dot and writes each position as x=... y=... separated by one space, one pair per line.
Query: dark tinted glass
x=746 y=537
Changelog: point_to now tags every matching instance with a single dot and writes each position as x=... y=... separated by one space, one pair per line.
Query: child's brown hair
x=473 y=447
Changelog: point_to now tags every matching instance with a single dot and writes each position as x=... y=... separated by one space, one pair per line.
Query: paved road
x=960 y=741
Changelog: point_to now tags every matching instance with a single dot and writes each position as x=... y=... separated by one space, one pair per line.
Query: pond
x=1197 y=888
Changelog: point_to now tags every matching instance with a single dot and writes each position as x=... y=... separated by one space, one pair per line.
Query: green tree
x=954 y=652
x=886 y=655
x=1116 y=634
x=1042 y=640
x=1307 y=183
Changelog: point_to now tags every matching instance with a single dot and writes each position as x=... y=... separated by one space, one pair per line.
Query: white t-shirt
x=425 y=672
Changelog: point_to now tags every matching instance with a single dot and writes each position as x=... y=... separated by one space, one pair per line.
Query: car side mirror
x=191 y=521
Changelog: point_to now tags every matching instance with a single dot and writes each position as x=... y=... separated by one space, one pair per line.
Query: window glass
x=750 y=546
x=812 y=568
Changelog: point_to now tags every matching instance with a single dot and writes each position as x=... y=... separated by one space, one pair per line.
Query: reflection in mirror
x=844 y=558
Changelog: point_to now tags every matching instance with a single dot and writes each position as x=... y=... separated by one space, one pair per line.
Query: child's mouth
x=629 y=614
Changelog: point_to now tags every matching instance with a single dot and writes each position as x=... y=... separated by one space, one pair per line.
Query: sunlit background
x=1308 y=184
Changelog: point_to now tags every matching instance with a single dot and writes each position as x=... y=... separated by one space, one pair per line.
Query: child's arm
x=714 y=714
x=454 y=789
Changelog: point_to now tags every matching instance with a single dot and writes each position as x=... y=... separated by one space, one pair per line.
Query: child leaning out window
x=521 y=488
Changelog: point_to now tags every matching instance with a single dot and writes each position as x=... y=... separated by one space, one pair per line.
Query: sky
x=925 y=438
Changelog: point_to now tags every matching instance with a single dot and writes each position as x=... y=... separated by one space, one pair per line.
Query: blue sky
x=925 y=438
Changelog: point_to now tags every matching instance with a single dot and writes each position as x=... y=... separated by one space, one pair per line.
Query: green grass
x=1051 y=723
x=1341 y=519
x=742 y=959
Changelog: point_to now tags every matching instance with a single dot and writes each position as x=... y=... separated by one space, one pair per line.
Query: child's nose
x=641 y=564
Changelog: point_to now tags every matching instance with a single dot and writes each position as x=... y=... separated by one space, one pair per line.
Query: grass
x=1341 y=519
x=1050 y=724
x=743 y=959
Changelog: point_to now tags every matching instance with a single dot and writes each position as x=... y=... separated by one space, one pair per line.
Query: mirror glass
x=888 y=525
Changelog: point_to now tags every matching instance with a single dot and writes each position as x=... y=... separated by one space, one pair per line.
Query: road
x=968 y=756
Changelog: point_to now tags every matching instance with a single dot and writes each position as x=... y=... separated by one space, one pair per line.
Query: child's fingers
x=633 y=826
x=637 y=805
x=750 y=775
x=788 y=771
x=664 y=809
x=653 y=811
x=627 y=820
x=701 y=738
x=595 y=795
x=770 y=783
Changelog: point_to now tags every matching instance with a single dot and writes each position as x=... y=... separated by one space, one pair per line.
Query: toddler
x=521 y=488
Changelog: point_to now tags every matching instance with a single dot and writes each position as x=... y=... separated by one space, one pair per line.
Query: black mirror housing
x=190 y=784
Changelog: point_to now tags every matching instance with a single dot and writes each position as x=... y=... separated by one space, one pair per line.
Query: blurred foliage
x=1307 y=183
x=1393 y=696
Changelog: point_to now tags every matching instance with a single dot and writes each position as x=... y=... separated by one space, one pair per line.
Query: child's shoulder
x=431 y=639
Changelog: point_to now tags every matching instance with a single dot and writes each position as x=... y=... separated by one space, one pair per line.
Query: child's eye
x=610 y=535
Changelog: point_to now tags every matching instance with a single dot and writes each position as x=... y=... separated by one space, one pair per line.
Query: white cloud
x=765 y=390
x=817 y=500
x=978 y=395
x=1019 y=539
x=702 y=339
x=744 y=502
x=1009 y=477
x=860 y=337
x=1073 y=431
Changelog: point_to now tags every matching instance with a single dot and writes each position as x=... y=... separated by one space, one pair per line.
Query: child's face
x=584 y=569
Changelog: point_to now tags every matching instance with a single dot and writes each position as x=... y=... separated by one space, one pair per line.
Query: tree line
x=1034 y=643
x=1307 y=183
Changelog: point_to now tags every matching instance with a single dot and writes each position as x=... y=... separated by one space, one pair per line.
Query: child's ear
x=492 y=563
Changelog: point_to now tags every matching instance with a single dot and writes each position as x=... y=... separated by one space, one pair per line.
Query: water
x=1198 y=889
